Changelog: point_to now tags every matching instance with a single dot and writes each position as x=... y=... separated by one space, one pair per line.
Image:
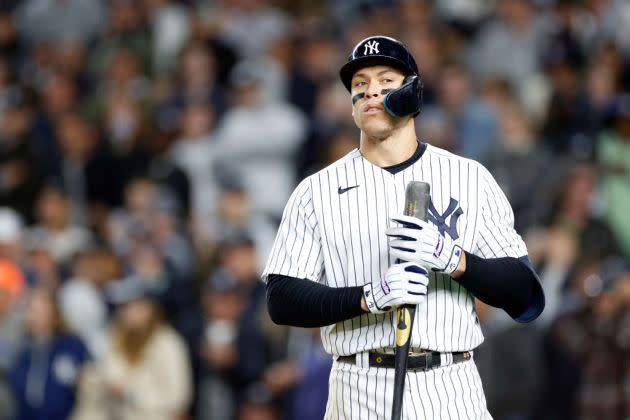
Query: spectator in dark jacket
x=20 y=164
x=45 y=374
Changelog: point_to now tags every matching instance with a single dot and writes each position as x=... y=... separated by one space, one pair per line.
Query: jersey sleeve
x=495 y=236
x=297 y=250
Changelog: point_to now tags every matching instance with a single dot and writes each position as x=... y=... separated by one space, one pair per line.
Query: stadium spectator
x=196 y=82
x=52 y=21
x=82 y=297
x=475 y=123
x=519 y=165
x=170 y=31
x=55 y=231
x=12 y=292
x=11 y=235
x=20 y=162
x=258 y=138
x=45 y=374
x=84 y=172
x=614 y=157
x=145 y=374
x=195 y=151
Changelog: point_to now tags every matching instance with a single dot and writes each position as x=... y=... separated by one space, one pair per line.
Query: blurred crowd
x=148 y=147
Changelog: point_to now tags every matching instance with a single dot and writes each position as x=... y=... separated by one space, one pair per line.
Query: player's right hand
x=402 y=284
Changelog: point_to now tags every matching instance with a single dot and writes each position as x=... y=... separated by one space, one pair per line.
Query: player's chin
x=376 y=127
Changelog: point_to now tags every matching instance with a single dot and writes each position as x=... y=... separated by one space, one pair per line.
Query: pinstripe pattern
x=451 y=392
x=338 y=239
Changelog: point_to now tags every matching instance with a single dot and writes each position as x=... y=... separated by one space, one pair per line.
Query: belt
x=423 y=361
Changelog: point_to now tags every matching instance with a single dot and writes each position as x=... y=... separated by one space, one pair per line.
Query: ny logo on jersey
x=453 y=210
x=370 y=47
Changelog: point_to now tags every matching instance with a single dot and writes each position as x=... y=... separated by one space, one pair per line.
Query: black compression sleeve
x=304 y=303
x=508 y=283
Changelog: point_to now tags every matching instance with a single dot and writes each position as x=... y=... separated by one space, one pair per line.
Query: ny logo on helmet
x=370 y=48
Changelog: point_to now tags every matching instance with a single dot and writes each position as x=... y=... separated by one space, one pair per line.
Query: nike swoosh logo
x=343 y=190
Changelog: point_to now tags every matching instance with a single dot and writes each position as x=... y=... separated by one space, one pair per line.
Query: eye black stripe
x=356 y=97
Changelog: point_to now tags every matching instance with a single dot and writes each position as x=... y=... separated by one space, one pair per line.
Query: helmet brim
x=350 y=68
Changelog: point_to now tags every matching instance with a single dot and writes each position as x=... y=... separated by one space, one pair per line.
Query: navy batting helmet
x=379 y=49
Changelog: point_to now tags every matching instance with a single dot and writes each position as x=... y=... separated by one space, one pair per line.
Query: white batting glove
x=421 y=242
x=402 y=284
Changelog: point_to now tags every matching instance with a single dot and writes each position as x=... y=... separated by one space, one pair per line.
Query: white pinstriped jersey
x=333 y=232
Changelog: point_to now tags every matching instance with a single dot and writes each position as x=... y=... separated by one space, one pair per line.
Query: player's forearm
x=304 y=303
x=508 y=283
x=461 y=267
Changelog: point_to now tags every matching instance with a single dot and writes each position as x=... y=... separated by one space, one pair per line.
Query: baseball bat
x=417 y=196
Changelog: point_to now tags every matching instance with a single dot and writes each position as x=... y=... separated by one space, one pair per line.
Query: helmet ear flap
x=406 y=100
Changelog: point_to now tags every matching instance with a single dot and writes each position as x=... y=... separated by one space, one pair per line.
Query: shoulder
x=475 y=168
x=166 y=337
x=438 y=152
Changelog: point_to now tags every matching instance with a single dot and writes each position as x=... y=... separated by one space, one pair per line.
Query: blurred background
x=148 y=147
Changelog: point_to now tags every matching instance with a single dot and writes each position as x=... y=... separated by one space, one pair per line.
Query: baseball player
x=345 y=256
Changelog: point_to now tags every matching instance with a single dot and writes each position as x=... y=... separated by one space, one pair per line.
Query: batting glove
x=403 y=284
x=421 y=242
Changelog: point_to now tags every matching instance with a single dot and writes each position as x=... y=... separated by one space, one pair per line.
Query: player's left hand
x=421 y=242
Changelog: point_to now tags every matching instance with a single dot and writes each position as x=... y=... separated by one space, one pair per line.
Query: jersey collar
x=394 y=169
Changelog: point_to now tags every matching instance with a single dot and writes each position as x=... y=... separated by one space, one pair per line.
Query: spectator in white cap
x=11 y=234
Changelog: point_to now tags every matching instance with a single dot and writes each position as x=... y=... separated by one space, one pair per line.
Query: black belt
x=422 y=361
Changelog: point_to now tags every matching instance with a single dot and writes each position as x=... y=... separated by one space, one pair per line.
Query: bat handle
x=404 y=325
x=417 y=198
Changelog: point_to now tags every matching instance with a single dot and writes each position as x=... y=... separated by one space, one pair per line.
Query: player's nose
x=373 y=90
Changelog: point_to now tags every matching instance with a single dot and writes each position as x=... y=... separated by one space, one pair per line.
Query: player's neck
x=399 y=146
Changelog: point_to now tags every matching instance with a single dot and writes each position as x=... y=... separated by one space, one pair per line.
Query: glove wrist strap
x=370 y=302
x=453 y=261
